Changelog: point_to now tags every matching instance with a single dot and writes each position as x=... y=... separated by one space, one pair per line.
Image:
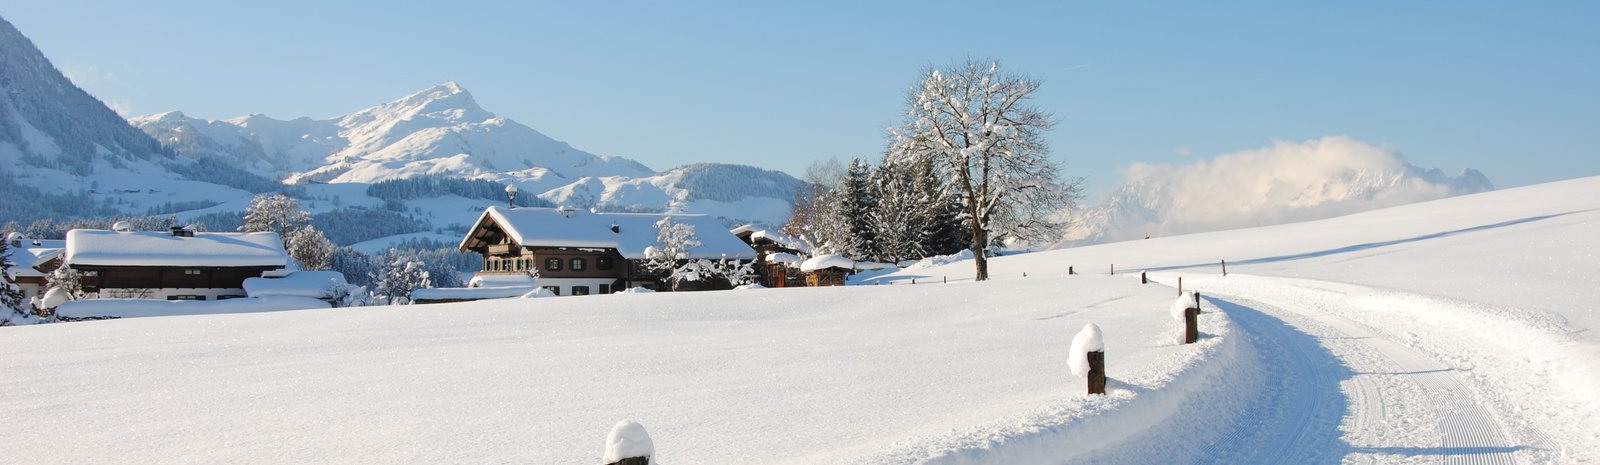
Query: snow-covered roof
x=149 y=248
x=314 y=284
x=821 y=262
x=784 y=258
x=30 y=255
x=549 y=227
x=759 y=233
x=502 y=280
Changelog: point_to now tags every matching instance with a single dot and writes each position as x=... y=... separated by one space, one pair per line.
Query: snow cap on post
x=1088 y=340
x=1185 y=301
x=628 y=440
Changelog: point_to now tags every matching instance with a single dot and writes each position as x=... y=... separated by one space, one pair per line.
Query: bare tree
x=988 y=143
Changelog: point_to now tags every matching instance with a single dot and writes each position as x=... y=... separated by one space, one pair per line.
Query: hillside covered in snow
x=1451 y=329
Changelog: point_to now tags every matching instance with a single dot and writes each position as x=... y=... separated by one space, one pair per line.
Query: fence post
x=1113 y=269
x=1097 y=372
x=1197 y=302
x=1191 y=325
x=1180 y=285
x=1224 y=267
x=1069 y=271
x=913 y=280
x=946 y=279
x=1143 y=279
x=1088 y=357
x=628 y=444
x=1024 y=274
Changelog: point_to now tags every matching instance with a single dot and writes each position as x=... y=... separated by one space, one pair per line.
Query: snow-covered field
x=1455 y=331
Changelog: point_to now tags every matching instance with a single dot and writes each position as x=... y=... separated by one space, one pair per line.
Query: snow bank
x=471 y=293
x=745 y=287
x=502 y=280
x=537 y=293
x=133 y=308
x=627 y=440
x=1089 y=339
x=940 y=260
x=313 y=284
x=636 y=290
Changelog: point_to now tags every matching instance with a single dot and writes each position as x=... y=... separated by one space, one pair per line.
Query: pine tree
x=899 y=219
x=855 y=204
x=11 y=305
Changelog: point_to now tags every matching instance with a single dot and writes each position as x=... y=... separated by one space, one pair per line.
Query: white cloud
x=1280 y=183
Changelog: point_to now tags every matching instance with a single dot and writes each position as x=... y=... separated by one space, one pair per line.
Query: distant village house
x=173 y=265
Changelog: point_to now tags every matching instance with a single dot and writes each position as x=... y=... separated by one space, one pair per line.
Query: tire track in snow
x=1403 y=406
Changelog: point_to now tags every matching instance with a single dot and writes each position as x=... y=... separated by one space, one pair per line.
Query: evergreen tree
x=854 y=204
x=12 y=310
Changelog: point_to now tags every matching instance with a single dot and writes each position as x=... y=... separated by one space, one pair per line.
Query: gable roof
x=98 y=247
x=549 y=227
x=26 y=258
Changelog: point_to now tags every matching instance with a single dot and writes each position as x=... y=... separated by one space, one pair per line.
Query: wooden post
x=631 y=461
x=1180 y=285
x=946 y=279
x=1224 y=267
x=1197 y=302
x=1191 y=325
x=913 y=280
x=1113 y=269
x=1097 y=372
x=1143 y=279
x=1069 y=271
x=1024 y=274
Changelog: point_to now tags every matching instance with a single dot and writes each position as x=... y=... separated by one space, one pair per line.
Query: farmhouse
x=31 y=261
x=577 y=252
x=176 y=265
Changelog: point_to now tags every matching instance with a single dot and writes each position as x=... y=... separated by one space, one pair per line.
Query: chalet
x=778 y=256
x=32 y=261
x=577 y=252
x=176 y=265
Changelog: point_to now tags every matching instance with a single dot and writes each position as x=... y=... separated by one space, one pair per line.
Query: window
x=552 y=264
x=578 y=264
x=605 y=288
x=191 y=272
x=580 y=290
x=554 y=289
x=603 y=263
x=186 y=297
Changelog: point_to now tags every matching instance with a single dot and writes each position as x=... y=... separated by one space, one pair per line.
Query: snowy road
x=1338 y=390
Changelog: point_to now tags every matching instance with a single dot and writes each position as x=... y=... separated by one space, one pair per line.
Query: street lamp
x=511 y=195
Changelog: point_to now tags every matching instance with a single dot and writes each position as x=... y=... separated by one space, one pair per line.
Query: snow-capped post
x=1089 y=357
x=511 y=195
x=1143 y=279
x=1187 y=313
x=628 y=444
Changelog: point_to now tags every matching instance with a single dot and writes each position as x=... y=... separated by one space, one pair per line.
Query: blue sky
x=1507 y=88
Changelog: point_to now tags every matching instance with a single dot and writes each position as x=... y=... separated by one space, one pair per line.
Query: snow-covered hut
x=827 y=270
x=577 y=252
x=176 y=265
x=777 y=255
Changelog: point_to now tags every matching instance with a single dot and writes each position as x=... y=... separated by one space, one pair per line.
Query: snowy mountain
x=442 y=131
x=1282 y=183
x=437 y=130
x=47 y=122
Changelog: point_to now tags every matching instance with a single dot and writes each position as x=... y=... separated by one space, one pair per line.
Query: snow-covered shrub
x=401 y=274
